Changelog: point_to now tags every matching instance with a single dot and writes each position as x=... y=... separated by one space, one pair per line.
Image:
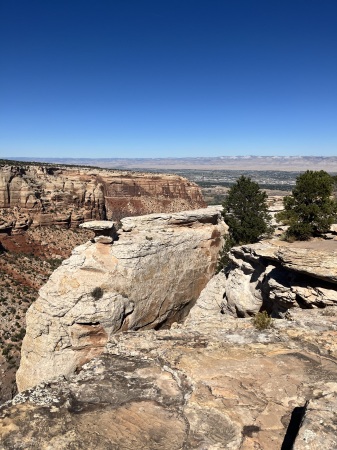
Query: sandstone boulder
x=276 y=276
x=104 y=230
x=148 y=278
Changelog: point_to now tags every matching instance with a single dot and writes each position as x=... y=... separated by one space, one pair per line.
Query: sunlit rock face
x=278 y=276
x=65 y=196
x=147 y=278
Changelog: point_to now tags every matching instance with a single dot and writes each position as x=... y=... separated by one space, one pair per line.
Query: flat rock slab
x=98 y=225
x=309 y=258
x=227 y=388
x=101 y=227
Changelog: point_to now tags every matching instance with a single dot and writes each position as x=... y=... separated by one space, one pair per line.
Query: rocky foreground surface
x=210 y=381
x=206 y=384
x=35 y=195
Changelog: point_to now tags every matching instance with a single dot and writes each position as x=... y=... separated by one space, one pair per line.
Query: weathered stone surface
x=101 y=228
x=99 y=225
x=319 y=427
x=65 y=196
x=278 y=276
x=103 y=239
x=206 y=310
x=148 y=278
x=212 y=382
x=306 y=261
x=217 y=385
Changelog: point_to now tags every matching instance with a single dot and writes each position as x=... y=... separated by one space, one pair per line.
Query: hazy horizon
x=235 y=163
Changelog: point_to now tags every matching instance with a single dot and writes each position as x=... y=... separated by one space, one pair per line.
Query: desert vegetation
x=245 y=211
x=262 y=321
x=311 y=209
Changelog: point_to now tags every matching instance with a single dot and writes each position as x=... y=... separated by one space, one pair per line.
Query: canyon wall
x=148 y=277
x=34 y=195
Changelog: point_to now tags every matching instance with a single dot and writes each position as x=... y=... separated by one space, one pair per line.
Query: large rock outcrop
x=66 y=196
x=277 y=276
x=148 y=278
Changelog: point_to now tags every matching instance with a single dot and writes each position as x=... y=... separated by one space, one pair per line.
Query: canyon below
x=133 y=341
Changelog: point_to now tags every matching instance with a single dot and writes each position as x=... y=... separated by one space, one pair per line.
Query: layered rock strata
x=65 y=196
x=277 y=276
x=148 y=278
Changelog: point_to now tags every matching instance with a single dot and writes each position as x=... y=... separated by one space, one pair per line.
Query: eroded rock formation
x=147 y=278
x=278 y=276
x=66 y=196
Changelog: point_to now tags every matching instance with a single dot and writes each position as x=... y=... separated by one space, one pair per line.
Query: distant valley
x=283 y=163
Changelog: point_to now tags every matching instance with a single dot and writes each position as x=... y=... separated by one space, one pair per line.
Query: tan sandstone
x=148 y=278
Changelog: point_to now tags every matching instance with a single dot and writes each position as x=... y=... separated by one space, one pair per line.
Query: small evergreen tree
x=245 y=211
x=310 y=210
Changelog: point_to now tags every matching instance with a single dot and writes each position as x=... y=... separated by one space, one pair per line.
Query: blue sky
x=140 y=78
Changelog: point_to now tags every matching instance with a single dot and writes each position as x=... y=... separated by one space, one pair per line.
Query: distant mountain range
x=287 y=163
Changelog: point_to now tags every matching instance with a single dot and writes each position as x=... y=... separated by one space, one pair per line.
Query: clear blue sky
x=141 y=78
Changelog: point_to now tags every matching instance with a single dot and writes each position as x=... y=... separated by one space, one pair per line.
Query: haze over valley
x=249 y=162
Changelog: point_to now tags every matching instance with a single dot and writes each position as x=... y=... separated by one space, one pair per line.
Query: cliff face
x=145 y=279
x=45 y=195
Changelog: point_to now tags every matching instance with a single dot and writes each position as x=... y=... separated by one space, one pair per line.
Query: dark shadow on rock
x=294 y=425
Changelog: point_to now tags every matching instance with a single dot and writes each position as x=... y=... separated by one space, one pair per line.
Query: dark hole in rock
x=248 y=430
x=301 y=303
x=88 y=323
x=294 y=425
x=240 y=314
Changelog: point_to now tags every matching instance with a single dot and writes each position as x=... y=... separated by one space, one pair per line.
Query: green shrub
x=262 y=321
x=97 y=293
